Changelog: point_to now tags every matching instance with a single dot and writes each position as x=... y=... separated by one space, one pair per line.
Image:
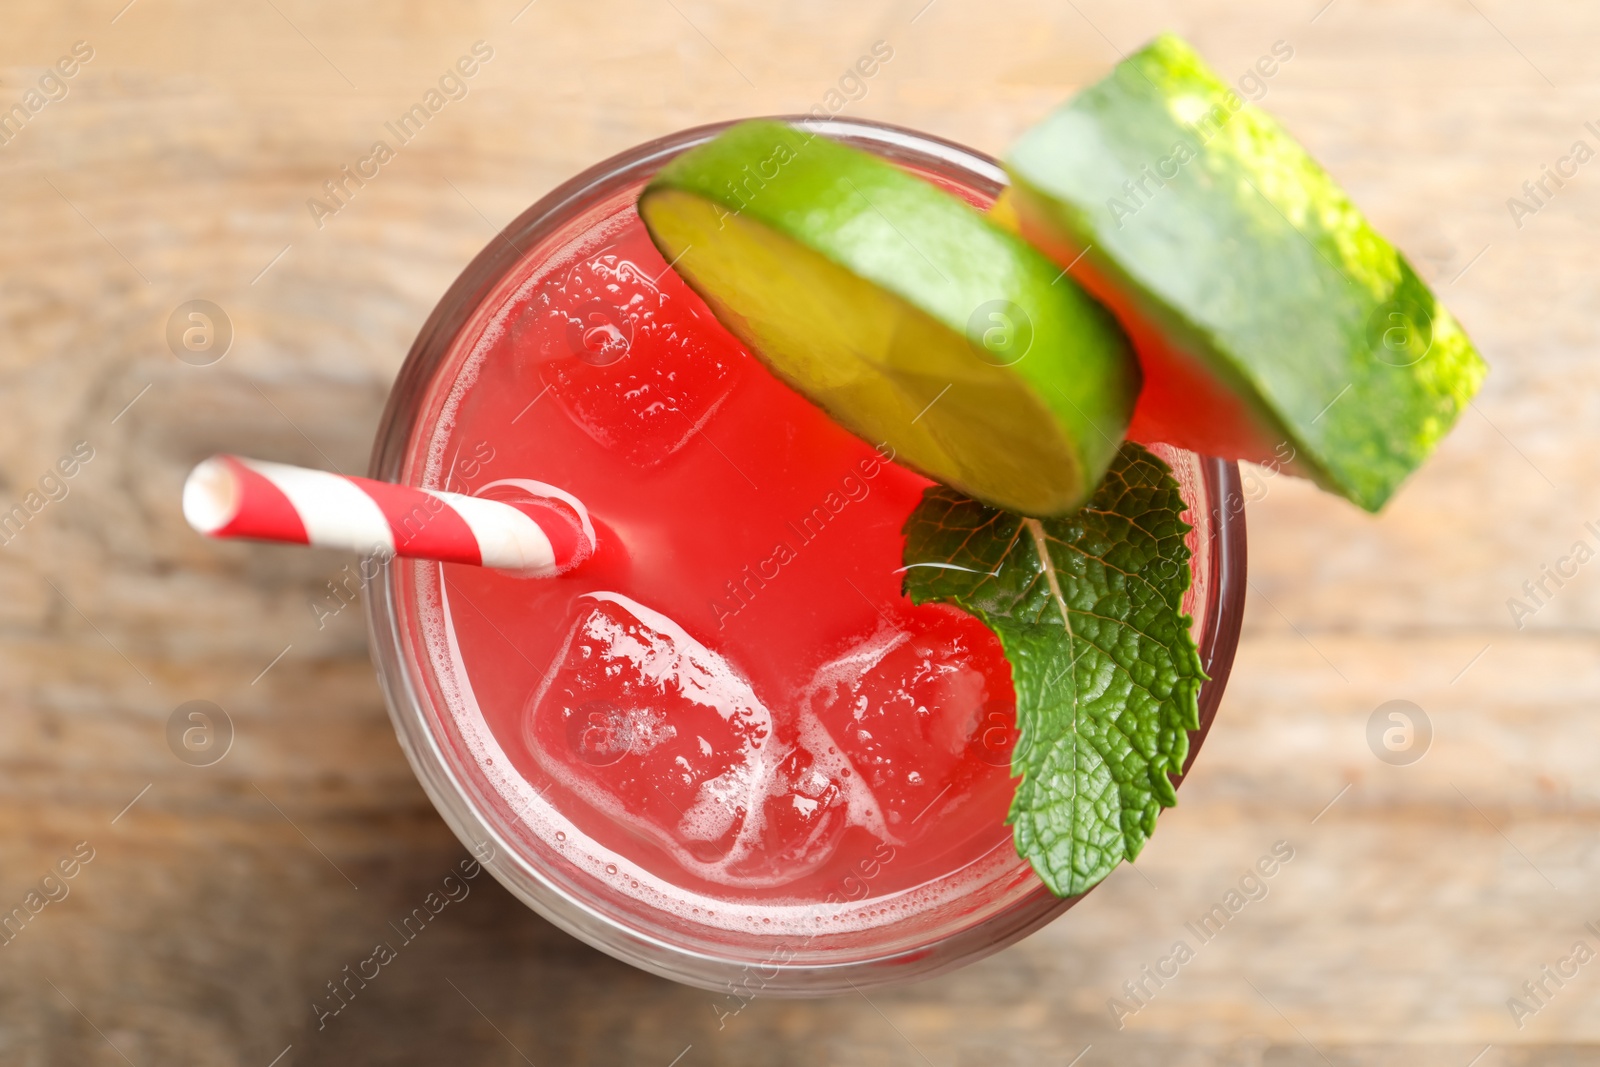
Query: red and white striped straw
x=546 y=531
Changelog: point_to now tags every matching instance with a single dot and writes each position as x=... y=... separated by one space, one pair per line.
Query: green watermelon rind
x=1252 y=259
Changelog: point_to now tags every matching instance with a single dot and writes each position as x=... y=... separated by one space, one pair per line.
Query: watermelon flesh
x=1182 y=402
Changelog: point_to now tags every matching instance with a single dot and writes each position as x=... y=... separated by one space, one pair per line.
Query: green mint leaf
x=1089 y=611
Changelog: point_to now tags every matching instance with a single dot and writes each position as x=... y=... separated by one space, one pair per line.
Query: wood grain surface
x=176 y=163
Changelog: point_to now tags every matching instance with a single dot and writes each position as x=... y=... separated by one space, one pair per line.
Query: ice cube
x=652 y=729
x=630 y=354
x=805 y=808
x=920 y=710
x=811 y=799
x=661 y=734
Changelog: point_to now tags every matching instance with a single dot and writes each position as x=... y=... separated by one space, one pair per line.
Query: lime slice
x=911 y=319
x=1273 y=322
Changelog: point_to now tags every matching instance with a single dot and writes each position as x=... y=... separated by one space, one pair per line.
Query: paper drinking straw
x=545 y=533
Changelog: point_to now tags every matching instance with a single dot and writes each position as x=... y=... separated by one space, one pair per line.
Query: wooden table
x=220 y=899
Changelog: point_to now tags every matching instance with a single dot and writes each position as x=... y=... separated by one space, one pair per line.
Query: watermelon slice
x=1272 y=322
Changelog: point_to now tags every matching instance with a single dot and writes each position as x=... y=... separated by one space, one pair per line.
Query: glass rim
x=408 y=707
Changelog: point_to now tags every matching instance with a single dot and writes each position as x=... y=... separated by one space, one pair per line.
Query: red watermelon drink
x=728 y=745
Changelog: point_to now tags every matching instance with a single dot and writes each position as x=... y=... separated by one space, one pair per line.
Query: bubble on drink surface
x=659 y=733
x=630 y=353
